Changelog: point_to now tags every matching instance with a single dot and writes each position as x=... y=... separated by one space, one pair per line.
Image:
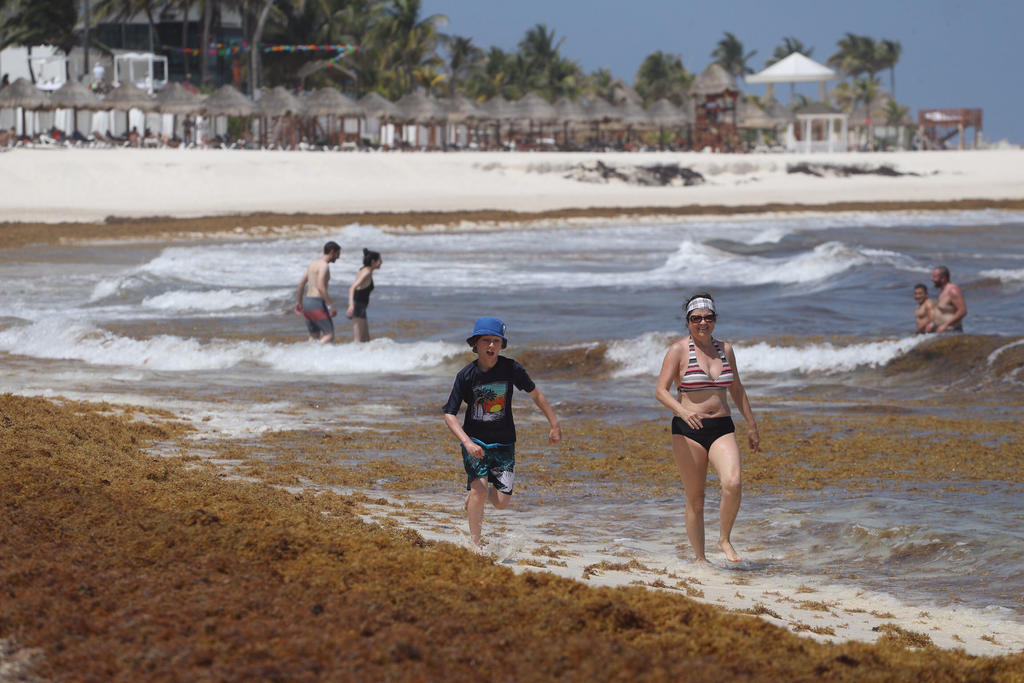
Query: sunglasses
x=701 y=318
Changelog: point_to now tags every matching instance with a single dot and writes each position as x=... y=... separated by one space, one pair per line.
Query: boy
x=488 y=433
x=925 y=311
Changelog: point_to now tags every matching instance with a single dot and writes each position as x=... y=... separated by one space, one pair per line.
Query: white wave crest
x=643 y=355
x=60 y=340
x=1004 y=275
x=211 y=301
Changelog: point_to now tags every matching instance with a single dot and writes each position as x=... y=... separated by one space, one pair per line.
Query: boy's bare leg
x=475 y=501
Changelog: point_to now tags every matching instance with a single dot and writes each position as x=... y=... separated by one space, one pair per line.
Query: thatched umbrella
x=278 y=103
x=74 y=96
x=21 y=94
x=376 y=106
x=499 y=110
x=461 y=110
x=532 y=109
x=753 y=117
x=178 y=100
x=569 y=112
x=664 y=114
x=598 y=111
x=128 y=96
x=713 y=80
x=228 y=101
x=330 y=102
x=418 y=108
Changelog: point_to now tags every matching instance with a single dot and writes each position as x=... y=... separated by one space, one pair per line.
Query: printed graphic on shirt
x=489 y=401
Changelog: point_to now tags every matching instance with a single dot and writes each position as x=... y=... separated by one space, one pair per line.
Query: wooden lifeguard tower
x=715 y=99
x=936 y=127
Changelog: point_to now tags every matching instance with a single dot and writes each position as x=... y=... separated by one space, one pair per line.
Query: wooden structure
x=715 y=98
x=936 y=127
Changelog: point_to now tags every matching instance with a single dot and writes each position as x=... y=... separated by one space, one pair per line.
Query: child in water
x=488 y=432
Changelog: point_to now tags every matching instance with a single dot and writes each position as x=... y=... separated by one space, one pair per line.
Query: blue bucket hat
x=491 y=326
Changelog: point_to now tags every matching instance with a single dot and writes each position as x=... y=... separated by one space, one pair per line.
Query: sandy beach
x=254 y=526
x=56 y=185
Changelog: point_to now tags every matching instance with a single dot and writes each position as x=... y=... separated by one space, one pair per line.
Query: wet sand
x=120 y=562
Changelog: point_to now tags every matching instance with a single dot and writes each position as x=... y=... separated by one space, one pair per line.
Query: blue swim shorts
x=497 y=466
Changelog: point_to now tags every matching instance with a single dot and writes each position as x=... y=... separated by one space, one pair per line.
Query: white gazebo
x=822 y=129
x=139 y=69
x=796 y=68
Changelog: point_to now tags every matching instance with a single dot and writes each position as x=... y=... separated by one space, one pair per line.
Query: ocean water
x=205 y=328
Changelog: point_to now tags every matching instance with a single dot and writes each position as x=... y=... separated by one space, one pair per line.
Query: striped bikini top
x=693 y=378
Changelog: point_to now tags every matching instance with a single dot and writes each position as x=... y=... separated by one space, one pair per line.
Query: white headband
x=700 y=303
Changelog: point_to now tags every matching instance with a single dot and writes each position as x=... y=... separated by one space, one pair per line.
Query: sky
x=955 y=54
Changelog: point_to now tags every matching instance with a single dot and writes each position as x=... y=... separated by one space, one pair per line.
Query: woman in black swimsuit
x=704 y=370
x=359 y=295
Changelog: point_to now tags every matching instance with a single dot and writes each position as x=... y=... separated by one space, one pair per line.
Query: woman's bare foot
x=730 y=553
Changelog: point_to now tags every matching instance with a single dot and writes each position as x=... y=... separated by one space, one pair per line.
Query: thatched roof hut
x=328 y=102
x=128 y=96
x=460 y=108
x=228 y=101
x=417 y=107
x=178 y=100
x=376 y=106
x=667 y=115
x=751 y=116
x=498 y=109
x=533 y=107
x=277 y=102
x=74 y=95
x=568 y=111
x=22 y=94
x=600 y=110
x=713 y=80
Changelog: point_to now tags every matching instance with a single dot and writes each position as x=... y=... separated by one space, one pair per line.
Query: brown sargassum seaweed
x=118 y=564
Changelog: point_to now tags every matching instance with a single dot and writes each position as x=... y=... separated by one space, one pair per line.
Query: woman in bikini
x=703 y=368
x=359 y=295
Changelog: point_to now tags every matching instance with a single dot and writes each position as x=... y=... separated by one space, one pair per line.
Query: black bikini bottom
x=713 y=429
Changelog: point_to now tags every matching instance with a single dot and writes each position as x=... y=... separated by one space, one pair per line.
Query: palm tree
x=660 y=76
x=33 y=23
x=894 y=113
x=889 y=54
x=544 y=70
x=857 y=55
x=865 y=90
x=409 y=41
x=844 y=96
x=729 y=54
x=788 y=46
x=464 y=58
x=600 y=83
x=359 y=22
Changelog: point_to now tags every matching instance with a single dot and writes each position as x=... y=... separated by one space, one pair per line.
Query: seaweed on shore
x=118 y=564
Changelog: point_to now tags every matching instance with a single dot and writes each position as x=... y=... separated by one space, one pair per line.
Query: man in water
x=312 y=300
x=925 y=313
x=950 y=307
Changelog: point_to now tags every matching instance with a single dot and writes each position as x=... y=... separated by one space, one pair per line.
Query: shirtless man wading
x=950 y=307
x=312 y=300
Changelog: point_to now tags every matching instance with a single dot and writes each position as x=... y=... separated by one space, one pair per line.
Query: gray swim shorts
x=318 y=318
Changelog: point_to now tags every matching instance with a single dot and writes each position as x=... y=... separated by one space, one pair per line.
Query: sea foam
x=95 y=346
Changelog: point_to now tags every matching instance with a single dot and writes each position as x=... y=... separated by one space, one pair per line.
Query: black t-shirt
x=489 y=397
